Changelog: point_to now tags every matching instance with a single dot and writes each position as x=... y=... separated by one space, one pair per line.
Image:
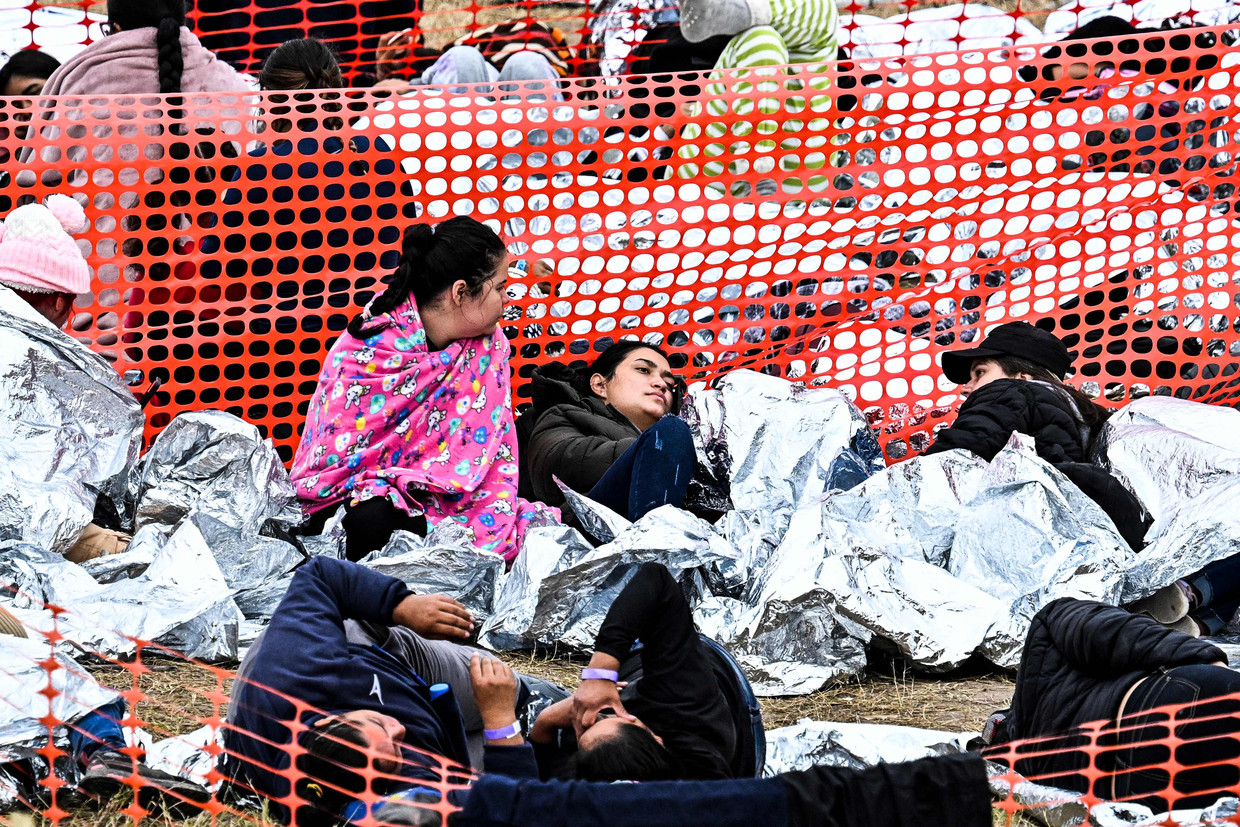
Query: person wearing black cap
x=1013 y=382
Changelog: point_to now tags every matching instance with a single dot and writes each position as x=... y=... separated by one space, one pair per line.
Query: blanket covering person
x=127 y=63
x=431 y=431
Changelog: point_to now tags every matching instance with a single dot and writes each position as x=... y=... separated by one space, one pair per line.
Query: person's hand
x=394 y=49
x=434 y=617
x=392 y=83
x=495 y=691
x=555 y=717
x=590 y=697
x=542 y=268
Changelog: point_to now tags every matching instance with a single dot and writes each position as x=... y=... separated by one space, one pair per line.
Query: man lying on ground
x=360 y=671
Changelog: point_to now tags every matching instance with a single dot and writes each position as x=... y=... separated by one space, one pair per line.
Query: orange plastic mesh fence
x=245 y=32
x=166 y=695
x=1173 y=756
x=854 y=223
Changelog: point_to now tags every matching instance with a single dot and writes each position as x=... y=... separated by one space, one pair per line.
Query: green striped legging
x=800 y=32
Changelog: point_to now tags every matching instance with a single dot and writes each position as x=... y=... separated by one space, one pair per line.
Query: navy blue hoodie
x=306 y=656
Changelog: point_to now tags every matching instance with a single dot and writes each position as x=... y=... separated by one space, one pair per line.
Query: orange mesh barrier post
x=840 y=235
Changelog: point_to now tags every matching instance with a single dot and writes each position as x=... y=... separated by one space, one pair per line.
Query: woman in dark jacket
x=1013 y=382
x=1089 y=663
x=609 y=432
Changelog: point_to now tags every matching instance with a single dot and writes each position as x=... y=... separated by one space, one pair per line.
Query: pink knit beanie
x=37 y=250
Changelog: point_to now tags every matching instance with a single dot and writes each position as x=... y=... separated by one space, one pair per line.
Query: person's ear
x=459 y=292
x=599 y=385
x=1026 y=377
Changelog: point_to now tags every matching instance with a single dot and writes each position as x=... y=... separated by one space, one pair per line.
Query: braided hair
x=432 y=259
x=166 y=17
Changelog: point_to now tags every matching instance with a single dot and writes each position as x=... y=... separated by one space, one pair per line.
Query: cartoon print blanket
x=431 y=431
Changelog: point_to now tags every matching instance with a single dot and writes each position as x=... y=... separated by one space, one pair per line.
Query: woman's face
x=25 y=86
x=983 y=372
x=641 y=388
x=478 y=315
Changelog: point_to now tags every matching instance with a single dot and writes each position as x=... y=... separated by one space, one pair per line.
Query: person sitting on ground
x=303 y=127
x=411 y=423
x=147 y=50
x=611 y=432
x=514 y=51
x=674 y=719
x=26 y=73
x=1013 y=382
x=1088 y=663
x=359 y=671
x=42 y=272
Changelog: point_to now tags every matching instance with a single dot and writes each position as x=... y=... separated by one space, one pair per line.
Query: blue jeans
x=99 y=729
x=1219 y=587
x=654 y=471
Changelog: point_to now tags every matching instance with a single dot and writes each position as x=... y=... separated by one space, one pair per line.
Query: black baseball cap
x=1019 y=339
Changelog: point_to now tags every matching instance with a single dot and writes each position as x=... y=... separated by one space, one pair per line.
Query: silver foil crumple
x=1029 y=536
x=1168 y=451
x=72 y=431
x=817 y=743
x=444 y=562
x=560 y=588
x=24 y=680
x=778 y=445
x=180 y=600
x=218 y=465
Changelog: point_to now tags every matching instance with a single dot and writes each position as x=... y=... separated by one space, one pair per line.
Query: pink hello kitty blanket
x=431 y=431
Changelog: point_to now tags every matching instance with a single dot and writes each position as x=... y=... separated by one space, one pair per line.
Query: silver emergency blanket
x=1051 y=806
x=938 y=558
x=218 y=465
x=816 y=743
x=180 y=601
x=561 y=587
x=1168 y=451
x=444 y=562
x=72 y=431
x=1030 y=536
x=23 y=679
x=779 y=445
x=184 y=756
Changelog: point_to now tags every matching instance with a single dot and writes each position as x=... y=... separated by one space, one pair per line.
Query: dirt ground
x=181 y=697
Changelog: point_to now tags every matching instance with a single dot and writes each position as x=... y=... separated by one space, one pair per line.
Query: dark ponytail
x=166 y=17
x=432 y=259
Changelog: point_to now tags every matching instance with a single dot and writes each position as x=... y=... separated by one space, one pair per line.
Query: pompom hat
x=37 y=250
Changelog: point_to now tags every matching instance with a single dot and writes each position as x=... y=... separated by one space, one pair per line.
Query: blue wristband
x=503 y=733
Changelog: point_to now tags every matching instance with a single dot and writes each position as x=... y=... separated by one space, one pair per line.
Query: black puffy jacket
x=1080 y=658
x=574 y=437
x=994 y=411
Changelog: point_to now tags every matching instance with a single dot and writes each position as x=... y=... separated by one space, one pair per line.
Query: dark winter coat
x=575 y=436
x=994 y=411
x=1080 y=659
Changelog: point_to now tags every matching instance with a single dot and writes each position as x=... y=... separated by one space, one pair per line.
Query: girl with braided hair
x=411 y=423
x=147 y=49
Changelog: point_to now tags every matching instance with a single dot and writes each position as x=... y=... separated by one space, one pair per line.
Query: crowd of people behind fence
x=411 y=424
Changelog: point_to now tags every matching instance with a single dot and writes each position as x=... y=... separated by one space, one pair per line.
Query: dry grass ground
x=178 y=700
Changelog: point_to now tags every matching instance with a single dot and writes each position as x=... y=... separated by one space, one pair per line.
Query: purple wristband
x=500 y=734
x=588 y=674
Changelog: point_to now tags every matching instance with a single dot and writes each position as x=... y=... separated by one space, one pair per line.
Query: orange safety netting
x=841 y=233
x=1178 y=756
x=245 y=31
x=166 y=696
